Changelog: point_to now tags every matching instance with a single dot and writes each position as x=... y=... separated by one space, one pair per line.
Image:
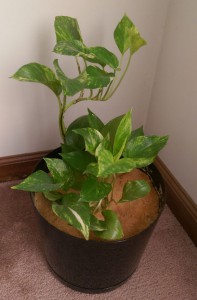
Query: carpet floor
x=167 y=271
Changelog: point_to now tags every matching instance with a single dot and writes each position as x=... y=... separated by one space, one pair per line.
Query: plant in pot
x=98 y=196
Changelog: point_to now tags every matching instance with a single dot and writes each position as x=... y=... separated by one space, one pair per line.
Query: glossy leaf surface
x=91 y=78
x=96 y=224
x=72 y=139
x=67 y=28
x=79 y=160
x=60 y=171
x=111 y=128
x=92 y=138
x=38 y=182
x=70 y=87
x=70 y=47
x=105 y=56
x=77 y=215
x=94 y=121
x=113 y=227
x=135 y=189
x=93 y=190
x=127 y=36
x=34 y=72
x=122 y=135
x=145 y=146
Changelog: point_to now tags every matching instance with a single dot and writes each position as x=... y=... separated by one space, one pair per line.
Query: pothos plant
x=80 y=182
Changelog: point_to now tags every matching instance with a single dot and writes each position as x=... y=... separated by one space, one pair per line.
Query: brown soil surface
x=134 y=216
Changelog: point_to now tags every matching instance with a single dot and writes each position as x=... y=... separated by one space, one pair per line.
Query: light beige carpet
x=168 y=269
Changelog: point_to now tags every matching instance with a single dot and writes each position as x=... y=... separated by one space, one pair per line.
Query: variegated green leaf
x=70 y=47
x=111 y=128
x=78 y=160
x=67 y=29
x=70 y=87
x=77 y=215
x=34 y=72
x=104 y=145
x=105 y=161
x=96 y=224
x=113 y=227
x=92 y=138
x=145 y=146
x=91 y=78
x=105 y=56
x=73 y=140
x=38 y=182
x=127 y=36
x=93 y=190
x=60 y=171
x=122 y=135
x=135 y=189
x=107 y=166
x=94 y=121
x=97 y=78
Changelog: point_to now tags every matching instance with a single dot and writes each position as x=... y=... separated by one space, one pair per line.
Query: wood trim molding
x=181 y=204
x=19 y=166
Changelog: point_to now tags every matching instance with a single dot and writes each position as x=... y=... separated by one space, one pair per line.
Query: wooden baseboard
x=19 y=166
x=181 y=204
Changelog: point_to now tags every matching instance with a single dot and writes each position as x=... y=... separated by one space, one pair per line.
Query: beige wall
x=28 y=112
x=173 y=107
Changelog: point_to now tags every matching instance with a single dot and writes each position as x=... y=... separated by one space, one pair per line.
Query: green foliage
x=35 y=72
x=92 y=171
x=93 y=81
x=80 y=184
x=127 y=36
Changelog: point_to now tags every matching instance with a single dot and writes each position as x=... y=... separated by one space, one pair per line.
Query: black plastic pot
x=96 y=266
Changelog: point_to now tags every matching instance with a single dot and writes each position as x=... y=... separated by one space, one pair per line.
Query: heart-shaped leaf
x=127 y=36
x=38 y=182
x=92 y=138
x=60 y=171
x=77 y=215
x=107 y=166
x=34 y=72
x=93 y=190
x=145 y=146
x=113 y=227
x=67 y=29
x=94 y=121
x=135 y=189
x=79 y=160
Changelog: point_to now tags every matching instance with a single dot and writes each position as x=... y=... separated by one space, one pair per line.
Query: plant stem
x=62 y=127
x=110 y=93
x=111 y=198
x=78 y=65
